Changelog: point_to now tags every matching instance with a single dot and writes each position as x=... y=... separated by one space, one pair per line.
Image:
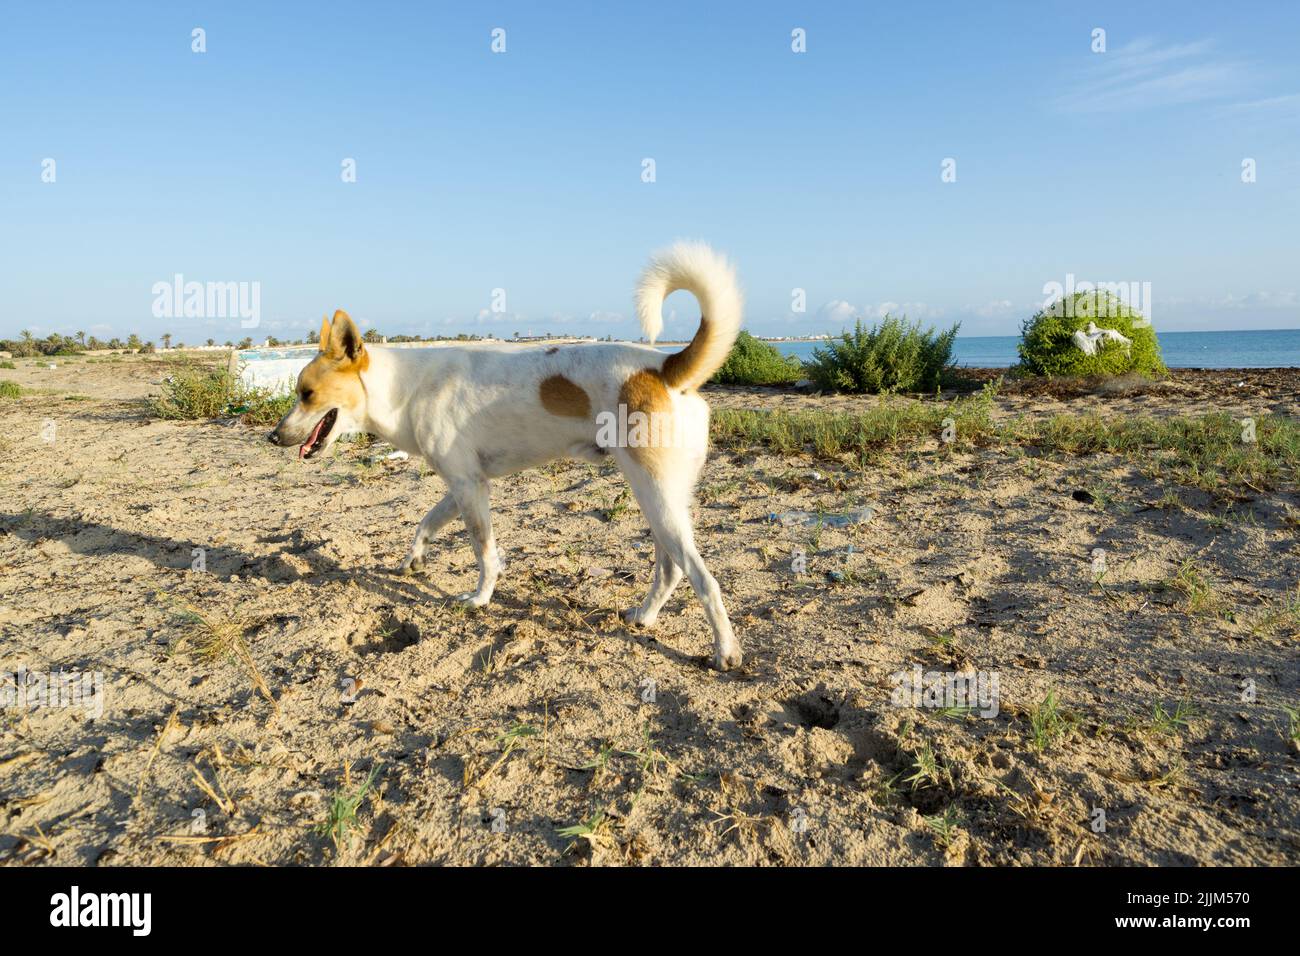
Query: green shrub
x=192 y=391
x=197 y=391
x=261 y=407
x=895 y=356
x=7 y=364
x=1047 y=344
x=753 y=362
x=10 y=389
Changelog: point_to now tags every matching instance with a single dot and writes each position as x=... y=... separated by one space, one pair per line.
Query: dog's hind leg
x=473 y=499
x=433 y=522
x=666 y=578
x=668 y=511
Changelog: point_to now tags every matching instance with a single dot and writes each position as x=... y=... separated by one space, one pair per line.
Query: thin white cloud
x=1290 y=103
x=997 y=309
x=1144 y=75
x=912 y=310
x=838 y=313
x=1257 y=300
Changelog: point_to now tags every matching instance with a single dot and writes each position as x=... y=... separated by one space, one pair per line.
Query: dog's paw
x=473 y=599
x=410 y=566
x=728 y=658
x=638 y=618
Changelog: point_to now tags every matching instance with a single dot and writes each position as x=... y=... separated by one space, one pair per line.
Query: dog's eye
x=306 y=395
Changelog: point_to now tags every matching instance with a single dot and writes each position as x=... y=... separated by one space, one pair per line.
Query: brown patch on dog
x=680 y=366
x=646 y=392
x=564 y=398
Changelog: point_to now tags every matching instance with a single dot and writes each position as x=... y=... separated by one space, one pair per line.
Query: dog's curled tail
x=708 y=276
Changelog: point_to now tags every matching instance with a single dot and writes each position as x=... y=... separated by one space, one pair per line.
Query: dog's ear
x=345 y=338
x=324 y=333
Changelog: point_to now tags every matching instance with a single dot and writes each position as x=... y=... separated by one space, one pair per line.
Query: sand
x=542 y=730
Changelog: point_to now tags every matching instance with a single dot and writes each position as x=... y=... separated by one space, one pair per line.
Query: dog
x=477 y=413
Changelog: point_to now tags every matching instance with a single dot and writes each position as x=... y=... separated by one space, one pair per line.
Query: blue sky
x=522 y=170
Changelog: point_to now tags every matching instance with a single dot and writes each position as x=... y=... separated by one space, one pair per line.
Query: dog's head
x=331 y=396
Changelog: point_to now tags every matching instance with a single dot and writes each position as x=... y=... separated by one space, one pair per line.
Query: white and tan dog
x=481 y=412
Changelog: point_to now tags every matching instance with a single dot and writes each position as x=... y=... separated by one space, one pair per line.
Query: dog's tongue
x=306 y=446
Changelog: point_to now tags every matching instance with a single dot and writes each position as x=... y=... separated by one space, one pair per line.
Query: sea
x=1260 y=348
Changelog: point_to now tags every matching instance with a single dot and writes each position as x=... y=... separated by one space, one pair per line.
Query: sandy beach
x=259 y=658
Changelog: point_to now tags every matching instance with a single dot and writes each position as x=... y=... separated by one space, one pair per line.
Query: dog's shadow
x=94 y=539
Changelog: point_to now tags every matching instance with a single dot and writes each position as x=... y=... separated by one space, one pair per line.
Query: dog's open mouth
x=316 y=440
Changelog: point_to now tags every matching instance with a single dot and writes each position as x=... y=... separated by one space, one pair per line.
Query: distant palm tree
x=167 y=340
x=81 y=337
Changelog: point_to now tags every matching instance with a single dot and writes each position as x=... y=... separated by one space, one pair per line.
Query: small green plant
x=1047 y=345
x=895 y=356
x=944 y=826
x=10 y=389
x=612 y=512
x=1170 y=722
x=217 y=639
x=509 y=741
x=514 y=737
x=1047 y=723
x=1293 y=724
x=343 y=808
x=754 y=362
x=591 y=829
x=944 y=641
x=648 y=758
x=1195 y=586
x=1280 y=616
x=885 y=793
x=7 y=364
x=927 y=771
x=599 y=764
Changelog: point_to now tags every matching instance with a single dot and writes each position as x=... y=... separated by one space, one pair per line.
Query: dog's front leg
x=472 y=497
x=433 y=522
